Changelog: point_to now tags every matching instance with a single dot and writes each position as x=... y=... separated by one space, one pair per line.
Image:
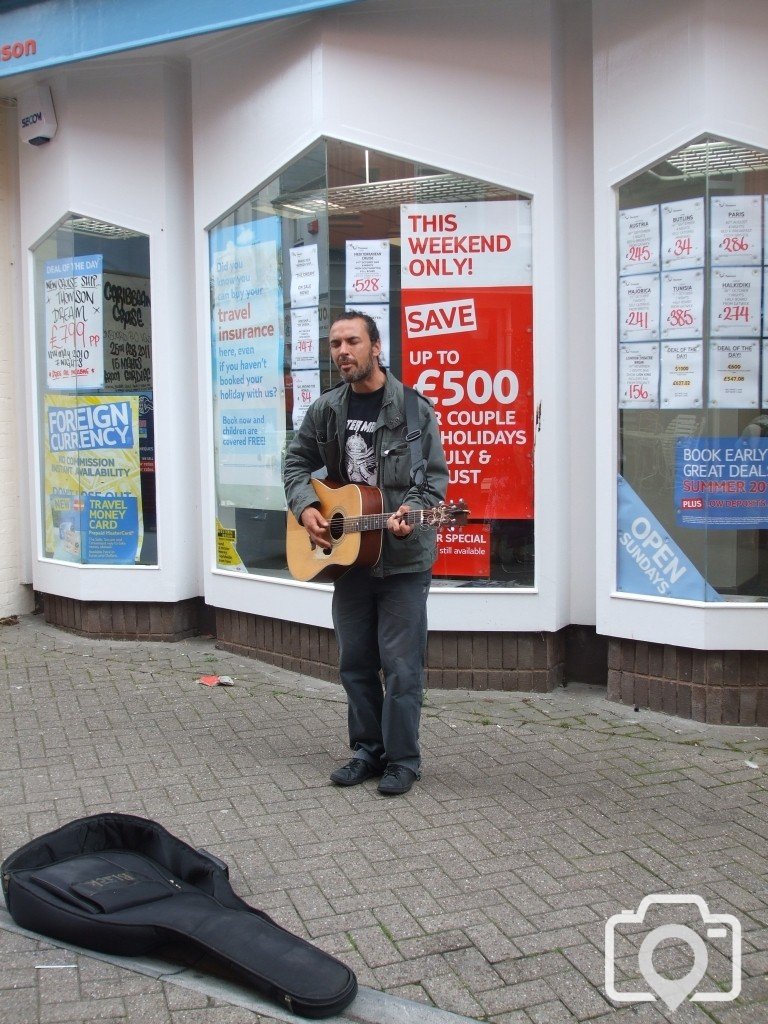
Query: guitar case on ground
x=121 y=884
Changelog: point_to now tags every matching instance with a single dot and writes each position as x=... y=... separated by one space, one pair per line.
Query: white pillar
x=15 y=596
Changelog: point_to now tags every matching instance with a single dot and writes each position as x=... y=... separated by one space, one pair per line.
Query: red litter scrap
x=217 y=680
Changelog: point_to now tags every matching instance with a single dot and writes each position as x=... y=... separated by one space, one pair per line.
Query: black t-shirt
x=359 y=453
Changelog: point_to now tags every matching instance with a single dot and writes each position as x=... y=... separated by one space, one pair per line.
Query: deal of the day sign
x=467 y=344
x=92 y=500
x=74 y=323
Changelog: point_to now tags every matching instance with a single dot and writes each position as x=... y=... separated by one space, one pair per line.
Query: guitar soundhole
x=336 y=525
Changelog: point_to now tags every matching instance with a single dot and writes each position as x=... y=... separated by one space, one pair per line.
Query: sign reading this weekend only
x=467 y=345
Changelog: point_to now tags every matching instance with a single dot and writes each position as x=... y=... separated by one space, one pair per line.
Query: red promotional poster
x=464 y=552
x=468 y=345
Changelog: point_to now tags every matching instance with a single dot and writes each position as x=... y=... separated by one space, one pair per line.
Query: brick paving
x=483 y=893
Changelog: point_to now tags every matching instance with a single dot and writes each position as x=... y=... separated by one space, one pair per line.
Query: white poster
x=639 y=240
x=367 y=271
x=380 y=315
x=682 y=304
x=734 y=374
x=682 y=374
x=305 y=276
x=305 y=338
x=639 y=376
x=736 y=230
x=306 y=388
x=682 y=234
x=639 y=307
x=466 y=245
x=74 y=323
x=735 y=302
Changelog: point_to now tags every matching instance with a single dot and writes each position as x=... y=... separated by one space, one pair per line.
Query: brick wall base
x=718 y=687
x=533 y=662
x=126 y=620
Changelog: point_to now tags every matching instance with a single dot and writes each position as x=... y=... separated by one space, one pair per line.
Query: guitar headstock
x=454 y=514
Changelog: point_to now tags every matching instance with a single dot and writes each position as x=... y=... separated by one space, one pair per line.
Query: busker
x=357 y=432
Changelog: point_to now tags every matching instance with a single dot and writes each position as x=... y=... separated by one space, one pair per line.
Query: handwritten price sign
x=639 y=239
x=735 y=308
x=682 y=246
x=639 y=376
x=639 y=307
x=638 y=254
x=733 y=244
x=736 y=230
x=367 y=270
x=367 y=284
x=680 y=318
x=735 y=313
x=682 y=304
x=682 y=234
x=74 y=323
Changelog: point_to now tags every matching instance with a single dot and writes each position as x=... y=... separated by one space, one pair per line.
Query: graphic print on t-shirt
x=359 y=448
x=360 y=458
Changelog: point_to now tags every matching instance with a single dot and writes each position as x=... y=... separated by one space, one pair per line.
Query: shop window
x=442 y=263
x=693 y=375
x=93 y=317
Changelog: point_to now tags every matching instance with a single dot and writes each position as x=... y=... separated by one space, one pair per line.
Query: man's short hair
x=356 y=314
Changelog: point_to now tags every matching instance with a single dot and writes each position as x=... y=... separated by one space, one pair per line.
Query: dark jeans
x=381 y=626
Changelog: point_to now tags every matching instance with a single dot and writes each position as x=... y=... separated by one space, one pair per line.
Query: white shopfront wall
x=665 y=74
x=557 y=101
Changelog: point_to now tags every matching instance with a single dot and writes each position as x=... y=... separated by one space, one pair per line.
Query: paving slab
x=482 y=894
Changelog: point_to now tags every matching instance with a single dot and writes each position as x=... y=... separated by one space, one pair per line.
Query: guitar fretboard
x=361 y=524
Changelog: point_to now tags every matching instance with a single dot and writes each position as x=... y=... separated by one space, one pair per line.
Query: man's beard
x=356 y=374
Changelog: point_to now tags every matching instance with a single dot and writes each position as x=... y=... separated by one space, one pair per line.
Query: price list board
x=692 y=298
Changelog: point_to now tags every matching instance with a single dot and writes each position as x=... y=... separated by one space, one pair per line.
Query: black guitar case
x=122 y=884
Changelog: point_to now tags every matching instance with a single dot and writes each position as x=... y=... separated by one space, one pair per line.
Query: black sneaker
x=354 y=772
x=397 y=779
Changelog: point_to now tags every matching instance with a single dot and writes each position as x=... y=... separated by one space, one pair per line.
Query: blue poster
x=721 y=483
x=109 y=529
x=649 y=561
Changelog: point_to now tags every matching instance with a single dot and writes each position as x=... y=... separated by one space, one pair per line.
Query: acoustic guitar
x=356 y=517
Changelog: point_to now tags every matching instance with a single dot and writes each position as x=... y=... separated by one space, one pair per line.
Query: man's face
x=352 y=350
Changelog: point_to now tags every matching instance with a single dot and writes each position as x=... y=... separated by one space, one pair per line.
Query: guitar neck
x=361 y=524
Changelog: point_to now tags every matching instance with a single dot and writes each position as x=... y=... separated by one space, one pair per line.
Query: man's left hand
x=396 y=523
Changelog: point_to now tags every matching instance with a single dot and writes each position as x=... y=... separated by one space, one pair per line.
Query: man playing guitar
x=357 y=433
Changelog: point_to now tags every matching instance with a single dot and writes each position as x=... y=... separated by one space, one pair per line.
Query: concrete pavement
x=483 y=893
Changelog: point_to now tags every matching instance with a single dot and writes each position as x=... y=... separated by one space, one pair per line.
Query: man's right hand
x=317 y=527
